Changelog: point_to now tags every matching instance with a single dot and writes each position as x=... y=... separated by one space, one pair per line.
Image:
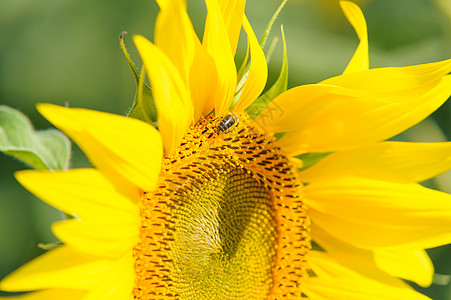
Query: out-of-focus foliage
x=68 y=52
x=42 y=150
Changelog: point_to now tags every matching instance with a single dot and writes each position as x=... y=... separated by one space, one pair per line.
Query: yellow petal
x=174 y=34
x=382 y=265
x=415 y=266
x=174 y=107
x=356 y=289
x=124 y=149
x=232 y=12
x=357 y=108
x=258 y=72
x=118 y=284
x=101 y=238
x=203 y=82
x=374 y=214
x=162 y=3
x=344 y=284
x=218 y=46
x=392 y=161
x=395 y=83
x=359 y=61
x=63 y=267
x=85 y=193
x=53 y=294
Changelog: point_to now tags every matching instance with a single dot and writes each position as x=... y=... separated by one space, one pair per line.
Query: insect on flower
x=229 y=121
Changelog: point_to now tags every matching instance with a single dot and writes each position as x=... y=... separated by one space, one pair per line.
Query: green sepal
x=45 y=150
x=49 y=246
x=278 y=87
x=271 y=48
x=265 y=35
x=144 y=104
x=279 y=135
x=245 y=66
x=143 y=107
x=310 y=159
x=241 y=78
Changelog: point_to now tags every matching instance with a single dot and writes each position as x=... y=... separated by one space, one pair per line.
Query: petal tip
x=137 y=38
x=25 y=176
x=347 y=4
x=47 y=108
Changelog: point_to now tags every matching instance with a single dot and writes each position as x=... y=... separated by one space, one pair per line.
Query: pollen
x=226 y=221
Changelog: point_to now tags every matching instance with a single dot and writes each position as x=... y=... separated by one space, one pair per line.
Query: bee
x=229 y=121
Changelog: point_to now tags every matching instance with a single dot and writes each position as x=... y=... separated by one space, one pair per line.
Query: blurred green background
x=68 y=51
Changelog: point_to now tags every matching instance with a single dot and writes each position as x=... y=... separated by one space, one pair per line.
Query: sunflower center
x=226 y=221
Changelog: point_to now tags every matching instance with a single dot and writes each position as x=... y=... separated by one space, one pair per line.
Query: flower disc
x=226 y=221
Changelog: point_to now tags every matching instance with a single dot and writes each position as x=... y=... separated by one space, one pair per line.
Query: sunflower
x=229 y=197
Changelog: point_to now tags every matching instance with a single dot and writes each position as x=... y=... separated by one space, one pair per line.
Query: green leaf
x=45 y=150
x=143 y=107
x=58 y=143
x=278 y=88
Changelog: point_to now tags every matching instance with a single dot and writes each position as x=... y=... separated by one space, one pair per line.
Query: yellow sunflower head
x=228 y=194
